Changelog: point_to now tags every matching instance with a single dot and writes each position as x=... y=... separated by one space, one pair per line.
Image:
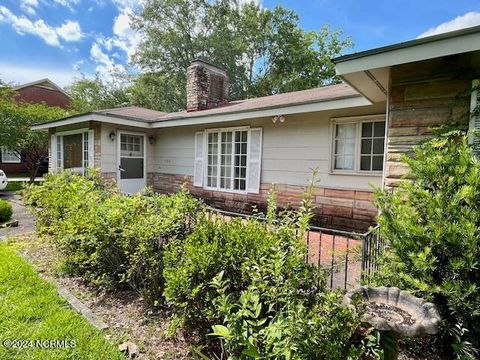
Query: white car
x=3 y=180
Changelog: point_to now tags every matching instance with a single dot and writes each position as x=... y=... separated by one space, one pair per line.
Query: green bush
x=59 y=193
x=6 y=211
x=109 y=238
x=432 y=226
x=249 y=282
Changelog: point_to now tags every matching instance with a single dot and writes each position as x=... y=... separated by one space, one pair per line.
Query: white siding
x=109 y=147
x=290 y=150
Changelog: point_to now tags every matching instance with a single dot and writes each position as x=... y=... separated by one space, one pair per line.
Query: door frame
x=119 y=134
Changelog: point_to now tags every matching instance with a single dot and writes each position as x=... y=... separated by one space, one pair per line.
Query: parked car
x=3 y=180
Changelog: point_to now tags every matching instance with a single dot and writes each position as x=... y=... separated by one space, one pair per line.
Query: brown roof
x=132 y=112
x=325 y=93
x=317 y=95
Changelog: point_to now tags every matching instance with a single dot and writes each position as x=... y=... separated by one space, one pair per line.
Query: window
x=371 y=146
x=73 y=150
x=345 y=137
x=9 y=156
x=227 y=160
x=358 y=146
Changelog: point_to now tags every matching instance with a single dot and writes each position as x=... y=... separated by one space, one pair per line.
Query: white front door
x=131 y=162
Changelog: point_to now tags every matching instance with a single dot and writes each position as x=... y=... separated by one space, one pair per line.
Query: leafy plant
x=249 y=282
x=108 y=238
x=432 y=228
x=6 y=211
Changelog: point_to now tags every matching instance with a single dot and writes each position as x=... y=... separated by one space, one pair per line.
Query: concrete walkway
x=26 y=221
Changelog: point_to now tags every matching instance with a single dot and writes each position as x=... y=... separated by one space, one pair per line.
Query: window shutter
x=474 y=137
x=91 y=149
x=254 y=161
x=58 y=153
x=53 y=154
x=199 y=153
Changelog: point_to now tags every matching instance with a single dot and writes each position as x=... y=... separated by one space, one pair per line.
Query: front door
x=131 y=164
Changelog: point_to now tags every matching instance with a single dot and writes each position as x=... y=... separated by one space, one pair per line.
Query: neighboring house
x=41 y=91
x=231 y=153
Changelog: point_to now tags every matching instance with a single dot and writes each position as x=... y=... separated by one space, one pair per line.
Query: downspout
x=387 y=132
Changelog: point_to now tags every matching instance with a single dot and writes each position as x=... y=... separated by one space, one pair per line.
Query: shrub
x=6 y=211
x=59 y=193
x=106 y=237
x=432 y=226
x=249 y=282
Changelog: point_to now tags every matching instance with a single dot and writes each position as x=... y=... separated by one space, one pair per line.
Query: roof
x=318 y=99
x=46 y=83
x=368 y=71
x=320 y=94
x=406 y=44
x=132 y=112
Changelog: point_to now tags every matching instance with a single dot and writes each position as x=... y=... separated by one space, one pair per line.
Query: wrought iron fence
x=348 y=257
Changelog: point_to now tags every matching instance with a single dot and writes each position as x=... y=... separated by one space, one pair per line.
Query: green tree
x=264 y=51
x=432 y=226
x=97 y=93
x=16 y=135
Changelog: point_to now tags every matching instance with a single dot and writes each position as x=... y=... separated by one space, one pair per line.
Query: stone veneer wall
x=422 y=95
x=343 y=209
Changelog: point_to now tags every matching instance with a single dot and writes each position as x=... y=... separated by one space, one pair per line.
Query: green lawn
x=14 y=186
x=31 y=309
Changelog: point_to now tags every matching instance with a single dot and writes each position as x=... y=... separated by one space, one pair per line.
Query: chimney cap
x=207 y=64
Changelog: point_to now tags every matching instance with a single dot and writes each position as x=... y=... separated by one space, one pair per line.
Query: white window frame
x=59 y=137
x=205 y=159
x=358 y=121
x=10 y=154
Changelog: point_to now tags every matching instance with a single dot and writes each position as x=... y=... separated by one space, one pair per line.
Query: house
x=41 y=91
x=232 y=153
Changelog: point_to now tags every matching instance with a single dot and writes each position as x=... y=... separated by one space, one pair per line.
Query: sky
x=62 y=39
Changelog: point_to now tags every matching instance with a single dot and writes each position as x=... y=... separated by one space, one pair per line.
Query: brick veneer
x=422 y=95
x=344 y=209
x=39 y=94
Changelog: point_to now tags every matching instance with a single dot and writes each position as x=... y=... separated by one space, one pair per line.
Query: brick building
x=41 y=91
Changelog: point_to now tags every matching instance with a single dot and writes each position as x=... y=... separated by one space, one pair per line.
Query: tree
x=264 y=51
x=97 y=93
x=16 y=135
x=432 y=227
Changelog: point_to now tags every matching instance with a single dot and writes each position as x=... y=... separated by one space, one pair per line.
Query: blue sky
x=60 y=39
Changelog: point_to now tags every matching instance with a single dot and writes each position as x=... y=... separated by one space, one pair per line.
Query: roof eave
x=339 y=103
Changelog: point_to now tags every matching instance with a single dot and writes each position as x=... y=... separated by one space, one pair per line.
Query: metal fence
x=348 y=257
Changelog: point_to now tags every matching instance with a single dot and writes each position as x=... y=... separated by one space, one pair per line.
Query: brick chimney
x=207 y=86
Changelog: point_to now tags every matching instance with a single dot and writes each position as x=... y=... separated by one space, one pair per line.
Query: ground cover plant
x=31 y=309
x=432 y=226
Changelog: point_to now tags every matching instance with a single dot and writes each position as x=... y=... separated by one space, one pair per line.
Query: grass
x=14 y=186
x=31 y=309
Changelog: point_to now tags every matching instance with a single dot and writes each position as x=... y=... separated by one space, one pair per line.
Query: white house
x=230 y=153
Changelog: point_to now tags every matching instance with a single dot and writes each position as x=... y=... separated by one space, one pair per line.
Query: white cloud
x=29 y=6
x=105 y=64
x=125 y=37
x=69 y=31
x=22 y=74
x=67 y=3
x=22 y=25
x=468 y=20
